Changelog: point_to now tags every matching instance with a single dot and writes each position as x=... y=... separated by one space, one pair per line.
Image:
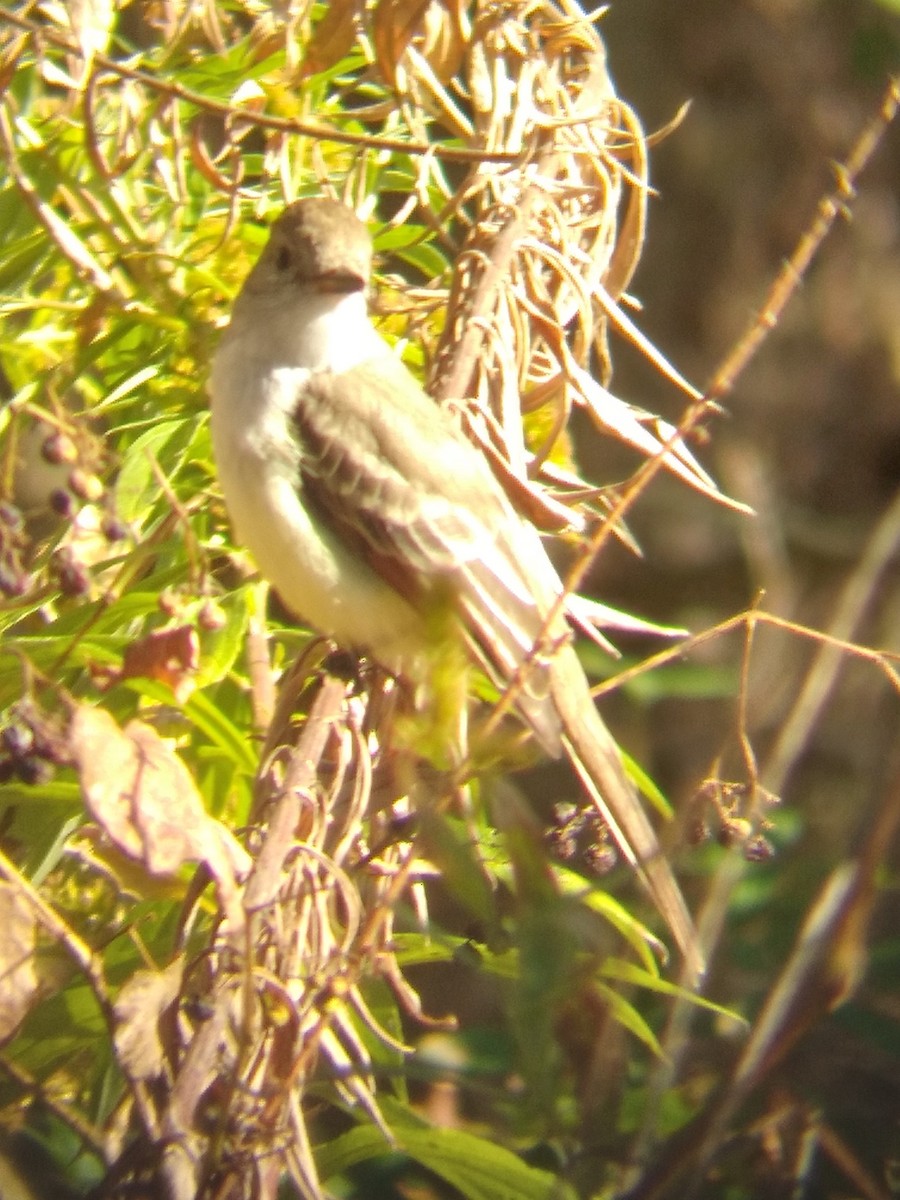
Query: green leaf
x=479 y=1168
x=626 y=972
x=221 y=647
x=601 y=902
x=629 y=1018
x=138 y=487
x=647 y=786
x=449 y=846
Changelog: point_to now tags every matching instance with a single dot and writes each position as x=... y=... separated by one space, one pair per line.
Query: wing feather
x=423 y=519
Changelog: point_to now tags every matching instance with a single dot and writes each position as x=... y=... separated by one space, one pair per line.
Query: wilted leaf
x=17 y=931
x=141 y=794
x=394 y=23
x=139 y=1009
x=167 y=655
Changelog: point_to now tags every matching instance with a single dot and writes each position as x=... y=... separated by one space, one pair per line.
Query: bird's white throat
x=320 y=331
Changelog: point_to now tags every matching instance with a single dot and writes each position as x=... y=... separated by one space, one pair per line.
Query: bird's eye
x=283 y=259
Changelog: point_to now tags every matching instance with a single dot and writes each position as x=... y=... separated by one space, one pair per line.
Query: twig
x=856 y=596
x=829 y=208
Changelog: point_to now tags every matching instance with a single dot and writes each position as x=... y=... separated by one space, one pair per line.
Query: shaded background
x=811 y=439
x=779 y=89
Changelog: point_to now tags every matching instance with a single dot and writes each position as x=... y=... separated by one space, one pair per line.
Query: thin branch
x=829 y=209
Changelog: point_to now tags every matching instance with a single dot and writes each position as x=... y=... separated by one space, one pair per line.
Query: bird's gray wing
x=391 y=475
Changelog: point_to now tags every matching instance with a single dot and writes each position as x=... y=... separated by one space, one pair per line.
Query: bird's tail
x=596 y=758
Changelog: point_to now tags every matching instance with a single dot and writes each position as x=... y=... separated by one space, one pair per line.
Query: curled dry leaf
x=167 y=655
x=17 y=968
x=394 y=24
x=139 y=1010
x=142 y=796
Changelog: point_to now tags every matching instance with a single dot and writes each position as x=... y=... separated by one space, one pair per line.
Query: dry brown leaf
x=446 y=36
x=201 y=157
x=142 y=796
x=17 y=968
x=167 y=655
x=394 y=23
x=139 y=1010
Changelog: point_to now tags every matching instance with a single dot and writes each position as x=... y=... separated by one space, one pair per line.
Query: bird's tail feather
x=596 y=758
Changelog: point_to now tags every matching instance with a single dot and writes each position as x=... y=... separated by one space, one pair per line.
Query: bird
x=366 y=507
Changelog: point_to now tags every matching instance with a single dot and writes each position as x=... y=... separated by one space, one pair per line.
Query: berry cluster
x=721 y=809
x=14 y=579
x=32 y=745
x=581 y=833
x=72 y=482
x=60 y=450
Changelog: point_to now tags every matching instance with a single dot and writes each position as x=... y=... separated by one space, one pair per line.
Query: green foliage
x=474 y=1166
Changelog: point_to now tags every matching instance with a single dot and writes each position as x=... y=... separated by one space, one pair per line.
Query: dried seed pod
x=758 y=849
x=734 y=831
x=698 y=832
x=562 y=843
x=601 y=858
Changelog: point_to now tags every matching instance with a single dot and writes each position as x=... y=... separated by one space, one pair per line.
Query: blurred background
x=779 y=91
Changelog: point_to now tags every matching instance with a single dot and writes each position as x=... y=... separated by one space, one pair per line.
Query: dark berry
x=13 y=580
x=61 y=502
x=211 y=616
x=168 y=602
x=73 y=576
x=18 y=740
x=10 y=516
x=59 y=448
x=85 y=485
x=33 y=770
x=113 y=529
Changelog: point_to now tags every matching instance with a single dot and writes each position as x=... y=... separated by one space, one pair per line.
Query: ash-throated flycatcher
x=362 y=501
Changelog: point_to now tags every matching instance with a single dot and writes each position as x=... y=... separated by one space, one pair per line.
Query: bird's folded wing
x=391 y=475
